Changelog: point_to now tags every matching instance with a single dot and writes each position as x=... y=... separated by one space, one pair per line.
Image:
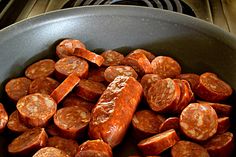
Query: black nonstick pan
x=197 y=45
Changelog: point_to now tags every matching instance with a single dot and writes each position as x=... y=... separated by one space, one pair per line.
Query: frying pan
x=197 y=45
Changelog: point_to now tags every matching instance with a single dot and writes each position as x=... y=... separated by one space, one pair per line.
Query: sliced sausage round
x=42 y=68
x=113 y=71
x=117 y=99
x=72 y=121
x=89 y=55
x=50 y=152
x=221 y=145
x=163 y=95
x=52 y=130
x=90 y=90
x=193 y=79
x=67 y=47
x=111 y=58
x=157 y=144
x=94 y=148
x=223 y=125
x=97 y=74
x=139 y=62
x=150 y=56
x=69 y=146
x=35 y=110
x=28 y=142
x=165 y=67
x=212 y=88
x=65 y=66
x=188 y=149
x=198 y=121
x=170 y=123
x=147 y=80
x=17 y=88
x=146 y=123
x=44 y=85
x=74 y=100
x=15 y=125
x=3 y=118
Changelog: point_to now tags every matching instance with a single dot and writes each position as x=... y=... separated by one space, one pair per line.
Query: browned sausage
x=52 y=130
x=28 y=142
x=150 y=56
x=188 y=149
x=67 y=145
x=72 y=121
x=66 y=66
x=94 y=148
x=74 y=100
x=170 y=123
x=193 y=79
x=88 y=55
x=14 y=124
x=212 y=88
x=17 y=88
x=65 y=87
x=44 y=85
x=222 y=110
x=198 y=121
x=139 y=62
x=50 y=152
x=165 y=67
x=221 y=145
x=146 y=123
x=223 y=125
x=117 y=102
x=97 y=74
x=42 y=68
x=36 y=109
x=113 y=71
x=66 y=47
x=156 y=144
x=112 y=58
x=147 y=80
x=90 y=90
x=163 y=95
x=3 y=118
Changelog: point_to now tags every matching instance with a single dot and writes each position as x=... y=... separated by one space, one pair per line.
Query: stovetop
x=219 y=12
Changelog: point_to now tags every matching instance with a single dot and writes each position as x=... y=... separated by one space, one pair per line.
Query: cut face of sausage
x=188 y=149
x=90 y=90
x=199 y=121
x=67 y=47
x=146 y=123
x=147 y=80
x=36 y=109
x=3 y=118
x=74 y=100
x=157 y=144
x=112 y=58
x=97 y=74
x=163 y=95
x=66 y=66
x=14 y=124
x=170 y=123
x=70 y=147
x=213 y=89
x=223 y=125
x=72 y=121
x=165 y=67
x=42 y=68
x=50 y=152
x=117 y=102
x=139 y=62
x=17 y=88
x=220 y=145
x=44 y=85
x=94 y=148
x=113 y=71
x=150 y=56
x=88 y=55
x=28 y=142
x=193 y=79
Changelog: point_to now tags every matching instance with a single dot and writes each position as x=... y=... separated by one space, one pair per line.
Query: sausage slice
x=35 y=110
x=15 y=125
x=112 y=58
x=170 y=123
x=3 y=118
x=150 y=56
x=50 y=152
x=147 y=80
x=223 y=125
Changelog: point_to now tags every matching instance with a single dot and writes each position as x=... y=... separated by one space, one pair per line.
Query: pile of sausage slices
x=95 y=98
